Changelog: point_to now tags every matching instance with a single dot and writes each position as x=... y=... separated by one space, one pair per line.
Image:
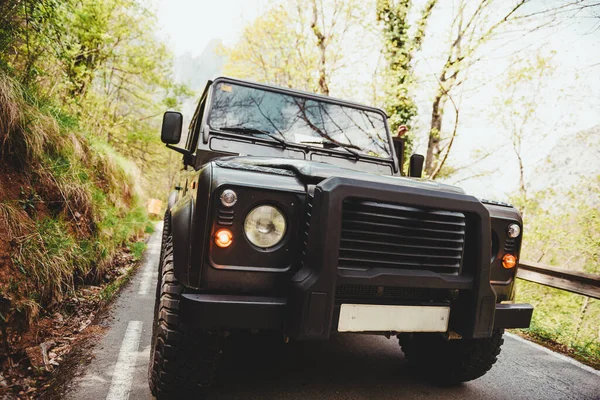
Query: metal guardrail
x=560 y=278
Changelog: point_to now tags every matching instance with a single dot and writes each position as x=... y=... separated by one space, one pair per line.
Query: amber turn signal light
x=223 y=238
x=509 y=261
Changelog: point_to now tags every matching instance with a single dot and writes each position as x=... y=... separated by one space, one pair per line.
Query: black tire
x=450 y=362
x=183 y=359
x=166 y=233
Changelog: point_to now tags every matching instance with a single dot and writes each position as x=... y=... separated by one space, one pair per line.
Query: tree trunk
x=433 y=145
x=522 y=177
x=322 y=45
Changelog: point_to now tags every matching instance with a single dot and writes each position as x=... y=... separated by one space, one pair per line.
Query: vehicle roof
x=302 y=93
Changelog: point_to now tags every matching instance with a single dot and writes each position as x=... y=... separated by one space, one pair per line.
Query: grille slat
x=396 y=236
x=360 y=242
x=406 y=238
x=225 y=217
x=409 y=221
x=393 y=209
x=403 y=254
x=373 y=261
x=509 y=245
x=424 y=232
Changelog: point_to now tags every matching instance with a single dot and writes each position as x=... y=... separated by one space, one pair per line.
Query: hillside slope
x=67 y=205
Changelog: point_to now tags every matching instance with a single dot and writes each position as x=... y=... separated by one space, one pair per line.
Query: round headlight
x=513 y=231
x=265 y=226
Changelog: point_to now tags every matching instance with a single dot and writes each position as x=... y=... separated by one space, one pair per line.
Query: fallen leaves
x=38 y=354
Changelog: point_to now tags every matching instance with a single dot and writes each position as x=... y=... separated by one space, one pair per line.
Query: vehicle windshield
x=299 y=120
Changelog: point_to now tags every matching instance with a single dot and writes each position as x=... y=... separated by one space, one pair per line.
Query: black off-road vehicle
x=295 y=217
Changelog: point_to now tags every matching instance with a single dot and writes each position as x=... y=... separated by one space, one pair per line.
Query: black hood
x=314 y=172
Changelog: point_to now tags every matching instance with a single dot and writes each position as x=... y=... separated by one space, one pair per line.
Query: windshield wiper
x=331 y=145
x=239 y=129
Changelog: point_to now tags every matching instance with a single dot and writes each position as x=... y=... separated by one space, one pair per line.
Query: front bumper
x=208 y=311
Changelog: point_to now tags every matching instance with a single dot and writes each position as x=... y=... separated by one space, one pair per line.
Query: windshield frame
x=338 y=152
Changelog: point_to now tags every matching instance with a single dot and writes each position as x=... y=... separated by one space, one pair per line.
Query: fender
x=503 y=280
x=182 y=219
x=172 y=199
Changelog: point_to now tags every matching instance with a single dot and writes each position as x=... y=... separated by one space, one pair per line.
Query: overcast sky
x=188 y=26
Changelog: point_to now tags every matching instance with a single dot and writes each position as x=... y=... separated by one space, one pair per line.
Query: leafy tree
x=331 y=19
x=296 y=46
x=563 y=227
x=399 y=49
x=473 y=25
x=29 y=30
x=275 y=48
x=520 y=96
x=97 y=60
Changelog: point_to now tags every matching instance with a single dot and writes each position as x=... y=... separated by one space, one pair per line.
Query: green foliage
x=299 y=44
x=399 y=48
x=520 y=96
x=562 y=225
x=398 y=52
x=562 y=228
x=70 y=72
x=99 y=65
x=84 y=194
x=564 y=318
x=137 y=249
x=275 y=50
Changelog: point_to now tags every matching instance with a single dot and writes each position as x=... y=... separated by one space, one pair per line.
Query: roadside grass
x=563 y=320
x=77 y=207
x=137 y=251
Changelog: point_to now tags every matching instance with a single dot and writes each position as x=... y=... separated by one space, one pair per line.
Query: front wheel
x=450 y=362
x=183 y=359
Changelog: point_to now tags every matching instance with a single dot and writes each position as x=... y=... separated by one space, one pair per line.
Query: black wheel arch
x=181 y=225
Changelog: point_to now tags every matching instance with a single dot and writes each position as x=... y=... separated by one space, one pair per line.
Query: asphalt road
x=346 y=367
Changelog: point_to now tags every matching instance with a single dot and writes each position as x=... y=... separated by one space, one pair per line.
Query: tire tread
x=451 y=362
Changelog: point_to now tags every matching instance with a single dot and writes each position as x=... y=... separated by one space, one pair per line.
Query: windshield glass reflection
x=297 y=119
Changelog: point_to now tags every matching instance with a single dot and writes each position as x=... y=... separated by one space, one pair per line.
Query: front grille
x=397 y=236
x=371 y=292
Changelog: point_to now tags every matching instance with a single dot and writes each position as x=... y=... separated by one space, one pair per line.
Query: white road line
x=552 y=353
x=124 y=369
x=145 y=283
x=152 y=254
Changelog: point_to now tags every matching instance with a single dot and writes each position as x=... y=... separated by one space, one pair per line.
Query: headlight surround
x=265 y=226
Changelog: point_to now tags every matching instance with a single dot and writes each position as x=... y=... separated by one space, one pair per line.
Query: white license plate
x=370 y=317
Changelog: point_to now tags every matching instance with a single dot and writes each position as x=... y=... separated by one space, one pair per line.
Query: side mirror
x=415 y=167
x=399 y=145
x=171 y=127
